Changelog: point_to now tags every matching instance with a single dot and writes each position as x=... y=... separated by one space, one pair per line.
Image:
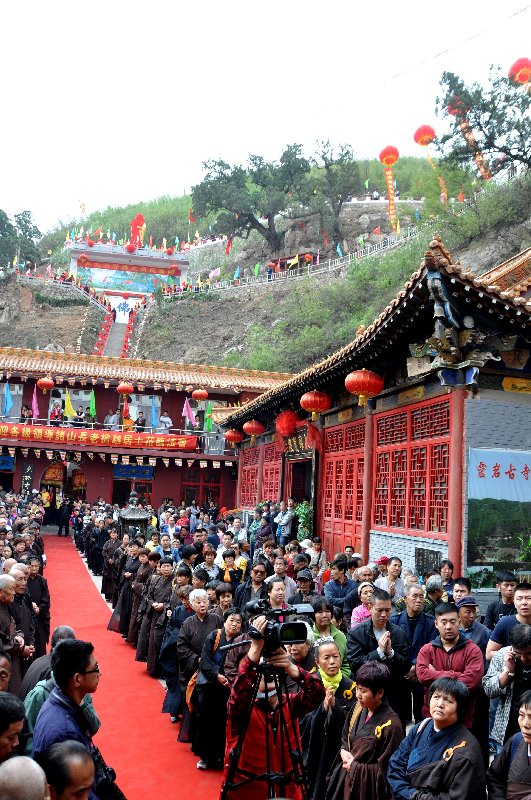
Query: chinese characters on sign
x=512 y=472
x=75 y=436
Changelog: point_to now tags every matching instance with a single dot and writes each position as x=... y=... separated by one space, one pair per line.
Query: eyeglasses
x=95 y=671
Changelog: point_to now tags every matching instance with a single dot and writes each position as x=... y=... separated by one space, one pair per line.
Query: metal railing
x=73 y=288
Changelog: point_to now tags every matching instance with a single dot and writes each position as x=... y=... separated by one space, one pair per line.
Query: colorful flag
x=151 y=241
x=196 y=235
x=215 y=273
x=318 y=257
x=339 y=251
x=236 y=274
x=154 y=421
x=367 y=184
x=92 y=406
x=108 y=233
x=176 y=241
x=125 y=408
x=294 y=261
x=191 y=217
x=69 y=408
x=35 y=404
x=113 y=236
x=325 y=238
x=417 y=214
x=188 y=413
x=398 y=225
x=208 y=417
x=377 y=230
x=8 y=400
x=97 y=232
x=257 y=269
x=229 y=246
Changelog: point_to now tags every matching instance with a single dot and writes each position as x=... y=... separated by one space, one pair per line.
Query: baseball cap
x=304 y=575
x=382 y=560
x=467 y=600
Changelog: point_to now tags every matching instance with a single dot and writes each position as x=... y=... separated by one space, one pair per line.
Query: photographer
x=254 y=757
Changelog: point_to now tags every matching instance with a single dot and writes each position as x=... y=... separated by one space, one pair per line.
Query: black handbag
x=105 y=785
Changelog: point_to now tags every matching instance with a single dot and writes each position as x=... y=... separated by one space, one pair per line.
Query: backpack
x=193 y=680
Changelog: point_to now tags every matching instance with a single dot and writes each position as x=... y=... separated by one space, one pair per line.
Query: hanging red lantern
x=125 y=388
x=365 y=384
x=316 y=403
x=46 y=384
x=169 y=251
x=200 y=394
x=286 y=423
x=520 y=71
x=130 y=247
x=254 y=428
x=389 y=156
x=233 y=436
x=424 y=135
x=90 y=243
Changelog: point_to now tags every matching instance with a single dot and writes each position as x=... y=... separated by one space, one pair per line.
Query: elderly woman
x=190 y=641
x=371 y=733
x=439 y=759
x=213 y=690
x=363 y=610
x=323 y=627
x=323 y=726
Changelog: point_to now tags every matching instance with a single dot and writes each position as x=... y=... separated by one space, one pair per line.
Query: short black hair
x=233 y=610
x=201 y=574
x=301 y=558
x=166 y=560
x=374 y=676
x=446 y=608
x=504 y=576
x=57 y=759
x=223 y=588
x=525 y=700
x=520 y=636
x=380 y=594
x=524 y=586
x=188 y=551
x=340 y=563
x=229 y=553
x=61 y=633
x=446 y=563
x=68 y=657
x=464 y=582
x=322 y=603
x=11 y=710
x=455 y=689
x=184 y=569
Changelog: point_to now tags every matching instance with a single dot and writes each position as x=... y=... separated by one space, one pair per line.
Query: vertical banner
x=26 y=483
x=499 y=513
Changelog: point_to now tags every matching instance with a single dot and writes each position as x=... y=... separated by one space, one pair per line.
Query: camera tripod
x=277 y=742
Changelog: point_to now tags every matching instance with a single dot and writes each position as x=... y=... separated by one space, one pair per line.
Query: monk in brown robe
x=154 y=620
x=10 y=638
x=148 y=565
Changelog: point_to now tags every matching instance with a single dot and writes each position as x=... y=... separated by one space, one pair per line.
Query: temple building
x=88 y=458
x=437 y=462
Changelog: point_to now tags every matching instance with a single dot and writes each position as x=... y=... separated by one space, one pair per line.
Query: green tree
x=28 y=235
x=8 y=240
x=247 y=198
x=498 y=115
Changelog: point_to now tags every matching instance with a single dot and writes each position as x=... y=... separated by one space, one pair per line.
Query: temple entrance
x=122 y=488
x=299 y=479
x=77 y=484
x=201 y=485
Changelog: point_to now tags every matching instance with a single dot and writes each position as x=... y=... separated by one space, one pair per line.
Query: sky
x=117 y=102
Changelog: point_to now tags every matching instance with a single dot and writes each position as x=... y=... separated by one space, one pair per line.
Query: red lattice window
x=439 y=473
x=418 y=480
x=249 y=487
x=272 y=452
x=334 y=440
x=381 y=489
x=250 y=456
x=359 y=490
x=350 y=477
x=329 y=482
x=271 y=482
x=398 y=488
x=355 y=435
x=431 y=422
x=392 y=429
x=338 y=490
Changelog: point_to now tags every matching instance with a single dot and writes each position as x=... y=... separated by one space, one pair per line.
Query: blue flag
x=236 y=274
x=154 y=420
x=339 y=251
x=8 y=400
x=417 y=214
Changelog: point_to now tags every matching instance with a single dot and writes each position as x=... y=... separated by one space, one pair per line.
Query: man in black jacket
x=252 y=589
x=377 y=639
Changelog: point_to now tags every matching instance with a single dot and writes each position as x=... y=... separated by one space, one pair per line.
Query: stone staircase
x=113 y=346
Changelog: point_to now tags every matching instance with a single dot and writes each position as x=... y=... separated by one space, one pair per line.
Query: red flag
x=228 y=247
x=150 y=242
x=125 y=409
x=97 y=232
x=191 y=217
x=325 y=238
x=377 y=230
x=461 y=196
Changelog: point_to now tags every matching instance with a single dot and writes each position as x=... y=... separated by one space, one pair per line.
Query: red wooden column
x=261 y=454
x=455 y=479
x=368 y=481
x=239 y=481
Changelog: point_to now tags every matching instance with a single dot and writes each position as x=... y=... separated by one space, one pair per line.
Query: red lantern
x=316 y=403
x=125 y=388
x=200 y=394
x=389 y=156
x=169 y=251
x=286 y=423
x=46 y=384
x=365 y=384
x=424 y=135
x=90 y=243
x=254 y=428
x=130 y=247
x=233 y=436
x=520 y=71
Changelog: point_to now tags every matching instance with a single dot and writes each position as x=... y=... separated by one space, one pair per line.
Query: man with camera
x=271 y=732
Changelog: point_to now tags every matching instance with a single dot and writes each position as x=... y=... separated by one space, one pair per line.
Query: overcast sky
x=109 y=103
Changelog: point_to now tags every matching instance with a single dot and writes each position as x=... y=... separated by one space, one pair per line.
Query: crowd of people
x=392 y=687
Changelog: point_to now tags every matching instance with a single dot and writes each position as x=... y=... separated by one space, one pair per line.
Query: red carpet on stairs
x=135 y=738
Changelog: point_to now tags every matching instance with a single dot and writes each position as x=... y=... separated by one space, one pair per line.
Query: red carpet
x=135 y=738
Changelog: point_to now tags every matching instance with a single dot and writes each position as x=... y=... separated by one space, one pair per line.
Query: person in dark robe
x=509 y=775
x=148 y=565
x=371 y=733
x=39 y=594
x=11 y=639
x=439 y=759
x=101 y=535
x=109 y=549
x=213 y=691
x=321 y=729
x=23 y=613
x=190 y=641
x=118 y=564
x=173 y=699
x=121 y=616
x=154 y=620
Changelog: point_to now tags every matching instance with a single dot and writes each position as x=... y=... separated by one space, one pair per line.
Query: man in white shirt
x=284 y=519
x=392 y=582
x=165 y=422
x=280 y=571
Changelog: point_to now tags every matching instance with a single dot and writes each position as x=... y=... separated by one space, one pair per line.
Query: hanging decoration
x=45 y=384
x=152 y=462
x=315 y=403
x=365 y=384
x=37 y=453
x=233 y=436
x=424 y=136
x=49 y=454
x=520 y=72
x=286 y=423
x=200 y=394
x=458 y=109
x=253 y=428
x=313 y=437
x=125 y=388
x=389 y=157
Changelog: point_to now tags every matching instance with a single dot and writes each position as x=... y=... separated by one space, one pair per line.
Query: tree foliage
x=251 y=197
x=498 y=116
x=18 y=239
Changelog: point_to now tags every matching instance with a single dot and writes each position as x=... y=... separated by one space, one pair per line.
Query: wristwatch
x=510 y=674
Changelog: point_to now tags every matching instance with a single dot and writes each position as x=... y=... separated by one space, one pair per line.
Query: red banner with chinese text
x=162 y=270
x=77 y=437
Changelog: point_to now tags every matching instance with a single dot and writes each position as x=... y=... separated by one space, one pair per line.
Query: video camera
x=276 y=633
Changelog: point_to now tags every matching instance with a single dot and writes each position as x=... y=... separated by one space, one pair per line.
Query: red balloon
x=169 y=251
x=389 y=156
x=130 y=247
x=90 y=243
x=424 y=135
x=520 y=71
